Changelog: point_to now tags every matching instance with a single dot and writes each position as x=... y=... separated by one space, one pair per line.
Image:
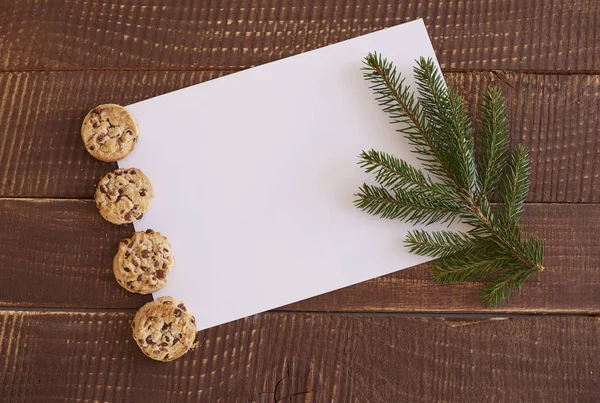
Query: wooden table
x=64 y=321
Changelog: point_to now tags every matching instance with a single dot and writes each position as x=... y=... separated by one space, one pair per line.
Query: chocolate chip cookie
x=124 y=195
x=143 y=262
x=109 y=132
x=164 y=329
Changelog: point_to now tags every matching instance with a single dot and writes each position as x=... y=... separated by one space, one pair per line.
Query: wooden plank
x=55 y=252
x=550 y=35
x=41 y=153
x=570 y=283
x=55 y=357
x=58 y=253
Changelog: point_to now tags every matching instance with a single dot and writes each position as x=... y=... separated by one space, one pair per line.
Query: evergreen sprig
x=463 y=175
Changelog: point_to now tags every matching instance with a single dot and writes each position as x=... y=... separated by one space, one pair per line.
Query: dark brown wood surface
x=64 y=322
x=40 y=156
x=296 y=357
x=70 y=247
x=469 y=34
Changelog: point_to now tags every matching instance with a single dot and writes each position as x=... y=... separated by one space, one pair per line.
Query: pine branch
x=499 y=289
x=449 y=123
x=398 y=101
x=406 y=206
x=439 y=243
x=492 y=143
x=470 y=267
x=397 y=174
x=495 y=249
x=515 y=185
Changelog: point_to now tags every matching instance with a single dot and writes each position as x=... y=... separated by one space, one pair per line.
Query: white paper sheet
x=254 y=178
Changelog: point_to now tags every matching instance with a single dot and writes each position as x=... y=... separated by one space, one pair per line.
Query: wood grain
x=41 y=151
x=58 y=253
x=59 y=58
x=55 y=357
x=549 y=35
x=42 y=155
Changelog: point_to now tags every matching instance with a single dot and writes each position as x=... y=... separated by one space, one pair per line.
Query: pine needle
x=463 y=179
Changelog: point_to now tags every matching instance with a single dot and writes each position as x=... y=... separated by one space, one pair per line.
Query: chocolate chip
x=160 y=274
x=109 y=176
x=145 y=269
x=92 y=148
x=149 y=231
x=166 y=250
x=145 y=253
x=131 y=181
x=166 y=357
x=164 y=266
x=177 y=313
x=143 y=192
x=193 y=320
x=130 y=284
x=129 y=215
x=118 y=172
x=127 y=269
x=141 y=341
x=136 y=263
x=182 y=307
x=127 y=254
x=96 y=125
x=139 y=277
x=132 y=172
x=175 y=340
x=100 y=138
x=149 y=340
x=167 y=302
x=103 y=189
x=139 y=217
x=165 y=327
x=128 y=132
x=156 y=263
x=95 y=111
x=167 y=337
x=163 y=344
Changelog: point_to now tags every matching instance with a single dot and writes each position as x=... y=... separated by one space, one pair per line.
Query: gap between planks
x=495 y=315
x=241 y=68
x=42 y=199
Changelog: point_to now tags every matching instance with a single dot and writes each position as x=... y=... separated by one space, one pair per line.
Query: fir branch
x=515 y=185
x=492 y=143
x=398 y=101
x=379 y=201
x=457 y=269
x=495 y=249
x=439 y=243
x=499 y=289
x=448 y=122
x=395 y=173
